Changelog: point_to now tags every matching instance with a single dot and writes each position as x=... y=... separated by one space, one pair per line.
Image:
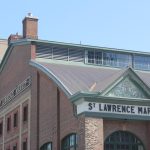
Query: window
x=142 y=62
x=1 y=128
x=116 y=59
x=15 y=147
x=8 y=148
x=9 y=123
x=91 y=57
x=94 y=57
x=69 y=142
x=46 y=146
x=24 y=145
x=122 y=140
x=16 y=119
x=98 y=57
x=25 y=113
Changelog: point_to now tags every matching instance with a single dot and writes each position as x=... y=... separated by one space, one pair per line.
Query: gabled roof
x=128 y=85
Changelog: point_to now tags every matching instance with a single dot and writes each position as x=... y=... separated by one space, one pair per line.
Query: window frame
x=15 y=147
x=25 y=113
x=26 y=146
x=45 y=146
x=121 y=139
x=141 y=62
x=15 y=121
x=66 y=142
x=1 y=128
x=9 y=124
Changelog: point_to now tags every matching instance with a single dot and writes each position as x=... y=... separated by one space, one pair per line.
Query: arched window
x=69 y=142
x=122 y=140
x=46 y=146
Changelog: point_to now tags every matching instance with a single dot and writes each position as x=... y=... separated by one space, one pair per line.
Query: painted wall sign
x=19 y=88
x=113 y=108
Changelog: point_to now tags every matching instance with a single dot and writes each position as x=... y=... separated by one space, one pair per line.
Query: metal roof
x=76 y=78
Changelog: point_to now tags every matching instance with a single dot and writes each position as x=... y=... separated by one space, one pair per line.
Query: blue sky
x=123 y=24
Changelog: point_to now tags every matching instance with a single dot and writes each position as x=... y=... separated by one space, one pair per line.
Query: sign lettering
x=20 y=88
x=113 y=108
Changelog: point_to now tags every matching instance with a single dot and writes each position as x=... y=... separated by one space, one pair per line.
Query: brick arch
x=132 y=126
x=123 y=139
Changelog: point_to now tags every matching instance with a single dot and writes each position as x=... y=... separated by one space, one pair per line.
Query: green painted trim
x=5 y=57
x=63 y=62
x=113 y=100
x=129 y=72
x=97 y=97
x=51 y=76
x=87 y=47
x=9 y=50
x=92 y=47
x=82 y=94
x=38 y=41
x=21 y=42
x=83 y=46
x=114 y=116
x=81 y=64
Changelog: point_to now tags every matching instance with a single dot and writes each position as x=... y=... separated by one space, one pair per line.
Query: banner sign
x=113 y=108
x=19 y=88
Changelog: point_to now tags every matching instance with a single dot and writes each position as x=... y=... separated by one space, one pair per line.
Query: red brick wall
x=34 y=92
x=71 y=124
x=12 y=143
x=13 y=130
x=47 y=95
x=48 y=112
x=16 y=69
x=30 y=28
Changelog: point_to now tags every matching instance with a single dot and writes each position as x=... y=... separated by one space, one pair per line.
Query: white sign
x=113 y=108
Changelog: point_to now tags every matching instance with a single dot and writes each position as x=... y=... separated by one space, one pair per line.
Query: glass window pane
x=116 y=59
x=98 y=57
x=72 y=140
x=91 y=57
x=142 y=62
x=46 y=146
x=49 y=146
x=69 y=142
x=122 y=140
x=140 y=147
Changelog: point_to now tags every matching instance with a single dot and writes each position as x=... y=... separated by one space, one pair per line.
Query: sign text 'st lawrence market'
x=113 y=108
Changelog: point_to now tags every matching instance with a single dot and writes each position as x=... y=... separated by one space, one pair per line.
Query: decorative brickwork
x=93 y=134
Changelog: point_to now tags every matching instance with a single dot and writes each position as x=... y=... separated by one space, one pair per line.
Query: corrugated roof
x=79 y=78
x=145 y=76
x=88 y=78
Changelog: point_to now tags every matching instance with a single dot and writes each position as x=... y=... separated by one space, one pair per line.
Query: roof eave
x=9 y=50
x=51 y=76
x=96 y=96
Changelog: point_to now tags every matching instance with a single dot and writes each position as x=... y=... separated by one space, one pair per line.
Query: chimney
x=30 y=27
x=14 y=37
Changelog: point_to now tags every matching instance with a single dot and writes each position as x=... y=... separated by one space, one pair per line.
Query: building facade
x=61 y=96
x=3 y=47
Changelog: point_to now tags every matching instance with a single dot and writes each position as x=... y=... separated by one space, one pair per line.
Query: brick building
x=61 y=96
x=3 y=47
